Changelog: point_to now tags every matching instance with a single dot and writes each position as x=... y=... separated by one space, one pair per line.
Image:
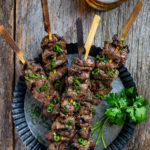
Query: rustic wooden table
x=23 y=19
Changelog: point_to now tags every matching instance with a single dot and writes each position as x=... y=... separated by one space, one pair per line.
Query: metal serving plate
x=32 y=128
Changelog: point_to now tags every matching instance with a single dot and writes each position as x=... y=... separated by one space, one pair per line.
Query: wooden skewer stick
x=131 y=19
x=80 y=37
x=91 y=35
x=46 y=19
x=11 y=42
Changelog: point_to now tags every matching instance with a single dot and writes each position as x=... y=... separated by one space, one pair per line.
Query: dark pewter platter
x=32 y=128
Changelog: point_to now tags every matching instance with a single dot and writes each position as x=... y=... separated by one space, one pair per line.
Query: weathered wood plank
x=63 y=14
x=6 y=78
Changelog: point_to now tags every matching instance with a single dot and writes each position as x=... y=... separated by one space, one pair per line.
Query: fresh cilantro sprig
x=127 y=104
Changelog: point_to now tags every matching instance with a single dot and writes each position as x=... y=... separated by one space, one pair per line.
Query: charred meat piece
x=47 y=44
x=116 y=51
x=51 y=110
x=99 y=87
x=85 y=108
x=84 y=120
x=54 y=62
x=64 y=127
x=57 y=73
x=37 y=82
x=85 y=132
x=86 y=65
x=103 y=65
x=106 y=75
x=82 y=144
x=52 y=136
x=56 y=146
x=82 y=75
x=59 y=85
x=54 y=58
x=69 y=105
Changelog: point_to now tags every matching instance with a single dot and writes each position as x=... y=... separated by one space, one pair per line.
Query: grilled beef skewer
x=41 y=88
x=55 y=64
x=107 y=63
x=71 y=103
x=54 y=57
x=79 y=85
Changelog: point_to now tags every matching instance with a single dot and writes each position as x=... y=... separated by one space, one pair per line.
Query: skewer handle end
x=11 y=42
x=91 y=35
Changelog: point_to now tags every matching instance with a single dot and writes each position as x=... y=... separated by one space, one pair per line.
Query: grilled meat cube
x=84 y=120
x=51 y=112
x=106 y=75
x=86 y=65
x=64 y=127
x=69 y=105
x=56 y=146
x=59 y=85
x=52 y=136
x=85 y=132
x=85 y=108
x=103 y=65
x=58 y=73
x=47 y=56
x=89 y=144
x=75 y=68
x=36 y=81
x=69 y=80
x=99 y=87
x=60 y=60
x=84 y=75
x=71 y=93
x=46 y=43
x=118 y=55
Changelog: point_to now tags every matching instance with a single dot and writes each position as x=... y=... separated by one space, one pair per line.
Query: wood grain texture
x=30 y=30
x=6 y=78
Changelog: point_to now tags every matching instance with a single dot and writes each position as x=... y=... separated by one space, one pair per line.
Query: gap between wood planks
x=14 y=60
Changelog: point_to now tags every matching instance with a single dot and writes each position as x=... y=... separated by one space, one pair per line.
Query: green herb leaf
x=123 y=103
x=130 y=110
x=95 y=71
x=140 y=114
x=52 y=64
x=27 y=78
x=76 y=104
x=112 y=99
x=56 y=137
x=44 y=88
x=56 y=84
x=58 y=48
x=101 y=58
x=99 y=96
